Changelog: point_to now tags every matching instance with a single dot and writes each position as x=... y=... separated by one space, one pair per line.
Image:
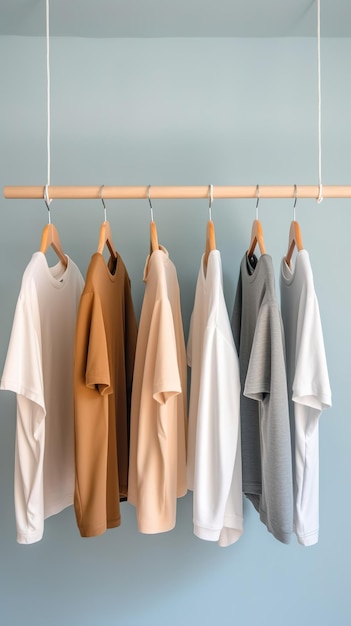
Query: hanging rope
x=320 y=194
x=48 y=99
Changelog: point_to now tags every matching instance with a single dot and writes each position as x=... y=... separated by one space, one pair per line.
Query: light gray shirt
x=265 y=429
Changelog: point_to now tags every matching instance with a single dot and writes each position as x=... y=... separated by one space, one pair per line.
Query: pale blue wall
x=180 y=112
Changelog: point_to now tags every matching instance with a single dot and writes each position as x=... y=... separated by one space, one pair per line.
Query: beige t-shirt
x=104 y=359
x=157 y=469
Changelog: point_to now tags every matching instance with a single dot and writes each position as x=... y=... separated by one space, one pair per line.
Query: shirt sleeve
x=266 y=382
x=217 y=499
x=91 y=343
x=162 y=344
x=23 y=375
x=311 y=381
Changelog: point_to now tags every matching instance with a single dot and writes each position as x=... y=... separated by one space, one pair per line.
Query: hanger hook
x=210 y=202
x=149 y=199
x=258 y=199
x=103 y=202
x=295 y=201
x=47 y=201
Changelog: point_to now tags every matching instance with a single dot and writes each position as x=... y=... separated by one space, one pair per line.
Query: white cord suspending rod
x=48 y=192
x=48 y=135
x=320 y=193
x=48 y=91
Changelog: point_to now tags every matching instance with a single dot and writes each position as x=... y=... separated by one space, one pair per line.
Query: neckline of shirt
x=112 y=277
x=288 y=273
x=251 y=276
x=161 y=253
x=212 y=255
x=57 y=274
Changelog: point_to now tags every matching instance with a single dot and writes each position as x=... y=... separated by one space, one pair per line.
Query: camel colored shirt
x=104 y=359
x=157 y=470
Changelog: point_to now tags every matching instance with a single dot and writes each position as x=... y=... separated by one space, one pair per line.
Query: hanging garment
x=308 y=389
x=39 y=369
x=157 y=471
x=103 y=369
x=214 y=448
x=265 y=429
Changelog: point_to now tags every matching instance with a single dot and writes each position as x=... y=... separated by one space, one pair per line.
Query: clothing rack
x=176 y=192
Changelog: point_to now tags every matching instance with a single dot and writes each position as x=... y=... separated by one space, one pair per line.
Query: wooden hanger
x=256 y=238
x=210 y=230
x=256 y=231
x=295 y=239
x=153 y=237
x=105 y=238
x=50 y=237
x=210 y=241
x=153 y=229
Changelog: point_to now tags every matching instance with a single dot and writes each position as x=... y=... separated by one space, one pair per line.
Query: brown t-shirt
x=104 y=359
x=157 y=472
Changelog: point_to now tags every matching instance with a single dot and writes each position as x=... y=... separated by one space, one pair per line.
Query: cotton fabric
x=103 y=370
x=39 y=369
x=308 y=389
x=265 y=428
x=214 y=446
x=157 y=471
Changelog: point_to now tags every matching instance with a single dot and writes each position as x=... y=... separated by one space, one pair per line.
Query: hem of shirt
x=307 y=539
x=153 y=527
x=26 y=538
x=123 y=493
x=58 y=507
x=230 y=532
x=95 y=531
x=281 y=535
x=233 y=529
x=253 y=492
x=150 y=528
x=229 y=536
x=207 y=534
x=252 y=489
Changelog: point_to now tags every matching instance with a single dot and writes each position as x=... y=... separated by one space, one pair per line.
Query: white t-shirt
x=214 y=444
x=308 y=388
x=39 y=369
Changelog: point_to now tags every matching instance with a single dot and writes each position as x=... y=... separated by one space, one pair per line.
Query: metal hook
x=258 y=199
x=149 y=199
x=47 y=201
x=103 y=202
x=210 y=202
x=295 y=201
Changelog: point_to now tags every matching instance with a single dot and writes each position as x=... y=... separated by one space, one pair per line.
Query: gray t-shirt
x=265 y=430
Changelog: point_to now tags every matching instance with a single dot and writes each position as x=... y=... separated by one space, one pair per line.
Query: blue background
x=180 y=112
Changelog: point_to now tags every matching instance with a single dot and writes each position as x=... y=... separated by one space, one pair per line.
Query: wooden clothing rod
x=219 y=192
